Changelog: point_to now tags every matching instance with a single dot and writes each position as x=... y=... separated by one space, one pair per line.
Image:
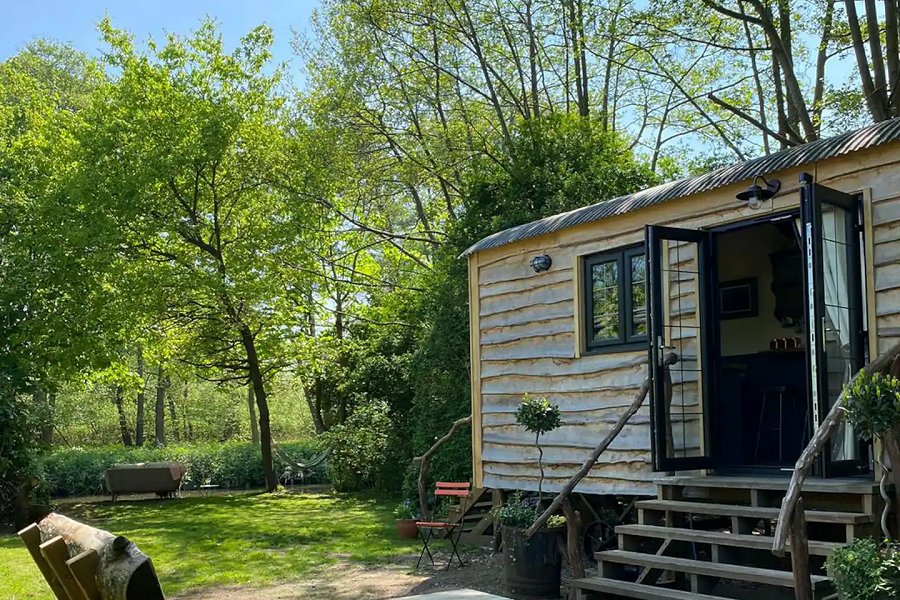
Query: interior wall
x=745 y=253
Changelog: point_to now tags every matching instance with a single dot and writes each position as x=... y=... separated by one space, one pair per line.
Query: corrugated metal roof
x=853 y=141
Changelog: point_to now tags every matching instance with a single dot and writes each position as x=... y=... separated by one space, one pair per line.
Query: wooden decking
x=701 y=533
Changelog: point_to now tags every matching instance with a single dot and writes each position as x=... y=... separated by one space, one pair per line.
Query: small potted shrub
x=865 y=570
x=406 y=515
x=532 y=566
x=872 y=404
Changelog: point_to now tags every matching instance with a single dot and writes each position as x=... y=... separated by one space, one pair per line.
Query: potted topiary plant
x=865 y=570
x=872 y=405
x=406 y=515
x=532 y=566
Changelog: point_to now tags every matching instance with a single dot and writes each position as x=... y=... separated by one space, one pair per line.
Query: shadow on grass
x=250 y=538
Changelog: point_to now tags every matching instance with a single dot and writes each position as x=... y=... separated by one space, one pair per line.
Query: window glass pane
x=605 y=301
x=638 y=295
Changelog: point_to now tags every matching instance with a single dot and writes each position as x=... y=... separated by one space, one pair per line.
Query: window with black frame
x=615 y=299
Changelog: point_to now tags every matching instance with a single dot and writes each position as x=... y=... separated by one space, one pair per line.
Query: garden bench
x=162 y=479
x=80 y=562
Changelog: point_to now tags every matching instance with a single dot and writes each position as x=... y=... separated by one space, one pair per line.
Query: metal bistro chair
x=449 y=489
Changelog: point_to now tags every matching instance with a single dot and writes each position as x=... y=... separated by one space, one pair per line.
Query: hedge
x=232 y=465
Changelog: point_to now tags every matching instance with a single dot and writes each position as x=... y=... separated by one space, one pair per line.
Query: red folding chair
x=448 y=489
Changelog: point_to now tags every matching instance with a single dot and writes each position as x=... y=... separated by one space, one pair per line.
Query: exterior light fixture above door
x=757 y=194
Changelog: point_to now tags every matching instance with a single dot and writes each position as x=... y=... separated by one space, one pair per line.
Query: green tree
x=555 y=164
x=184 y=154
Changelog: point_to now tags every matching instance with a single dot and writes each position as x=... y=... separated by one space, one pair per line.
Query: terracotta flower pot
x=406 y=529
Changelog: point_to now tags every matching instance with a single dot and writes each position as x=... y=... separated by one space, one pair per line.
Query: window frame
x=626 y=340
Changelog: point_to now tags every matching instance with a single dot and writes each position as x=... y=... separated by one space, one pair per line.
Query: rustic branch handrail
x=816 y=444
x=592 y=459
x=423 y=463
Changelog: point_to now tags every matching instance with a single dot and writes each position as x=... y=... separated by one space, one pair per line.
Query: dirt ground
x=346 y=581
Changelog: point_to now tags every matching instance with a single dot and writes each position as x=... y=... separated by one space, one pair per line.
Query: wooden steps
x=752 y=512
x=474 y=511
x=703 y=537
x=604 y=586
x=714 y=538
x=706 y=568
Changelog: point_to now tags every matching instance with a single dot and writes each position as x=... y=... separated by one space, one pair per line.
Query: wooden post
x=800 y=554
x=498 y=499
x=31 y=537
x=573 y=541
x=84 y=569
x=56 y=553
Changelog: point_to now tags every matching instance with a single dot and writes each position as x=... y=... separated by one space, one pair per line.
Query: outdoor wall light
x=756 y=194
x=541 y=263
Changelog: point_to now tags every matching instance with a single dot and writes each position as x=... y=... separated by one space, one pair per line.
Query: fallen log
x=122 y=571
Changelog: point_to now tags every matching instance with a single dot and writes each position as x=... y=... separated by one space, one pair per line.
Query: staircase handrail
x=816 y=444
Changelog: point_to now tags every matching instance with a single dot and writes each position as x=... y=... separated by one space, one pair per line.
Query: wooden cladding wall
x=526 y=329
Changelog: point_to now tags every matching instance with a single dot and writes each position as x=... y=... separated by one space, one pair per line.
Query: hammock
x=299 y=468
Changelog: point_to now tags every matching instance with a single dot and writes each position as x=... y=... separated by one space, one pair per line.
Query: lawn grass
x=236 y=539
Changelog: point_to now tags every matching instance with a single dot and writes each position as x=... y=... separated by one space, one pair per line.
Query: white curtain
x=837 y=302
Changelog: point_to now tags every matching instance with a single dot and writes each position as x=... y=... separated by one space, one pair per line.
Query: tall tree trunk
x=187 y=429
x=262 y=404
x=312 y=393
x=43 y=404
x=173 y=417
x=141 y=399
x=757 y=80
x=162 y=382
x=532 y=60
x=892 y=54
x=123 y=422
x=876 y=109
x=254 y=423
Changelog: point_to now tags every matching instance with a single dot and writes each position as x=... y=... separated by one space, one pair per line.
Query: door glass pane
x=638 y=295
x=837 y=322
x=681 y=330
x=605 y=299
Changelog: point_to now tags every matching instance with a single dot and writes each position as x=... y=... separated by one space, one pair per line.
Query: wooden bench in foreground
x=81 y=562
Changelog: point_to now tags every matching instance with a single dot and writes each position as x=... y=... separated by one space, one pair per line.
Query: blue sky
x=75 y=21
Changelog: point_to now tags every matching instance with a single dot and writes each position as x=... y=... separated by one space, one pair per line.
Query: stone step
x=754 y=512
x=754 y=542
x=708 y=569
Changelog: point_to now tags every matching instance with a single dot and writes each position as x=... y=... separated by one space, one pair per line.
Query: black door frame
x=657 y=351
x=710 y=340
x=812 y=196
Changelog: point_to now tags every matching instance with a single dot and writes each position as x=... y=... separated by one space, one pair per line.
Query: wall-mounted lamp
x=541 y=263
x=756 y=194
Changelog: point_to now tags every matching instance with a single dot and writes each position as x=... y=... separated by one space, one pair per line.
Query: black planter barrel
x=531 y=568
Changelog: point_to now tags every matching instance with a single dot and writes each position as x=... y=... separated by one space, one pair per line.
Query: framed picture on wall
x=738 y=299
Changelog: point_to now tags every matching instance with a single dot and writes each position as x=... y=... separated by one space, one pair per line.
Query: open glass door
x=834 y=326
x=678 y=267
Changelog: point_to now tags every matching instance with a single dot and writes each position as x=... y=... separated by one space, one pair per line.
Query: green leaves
x=538 y=415
x=864 y=570
x=872 y=404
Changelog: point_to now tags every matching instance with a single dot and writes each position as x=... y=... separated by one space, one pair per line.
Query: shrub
x=406 y=510
x=872 y=403
x=863 y=570
x=538 y=416
x=235 y=465
x=359 y=447
x=516 y=512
